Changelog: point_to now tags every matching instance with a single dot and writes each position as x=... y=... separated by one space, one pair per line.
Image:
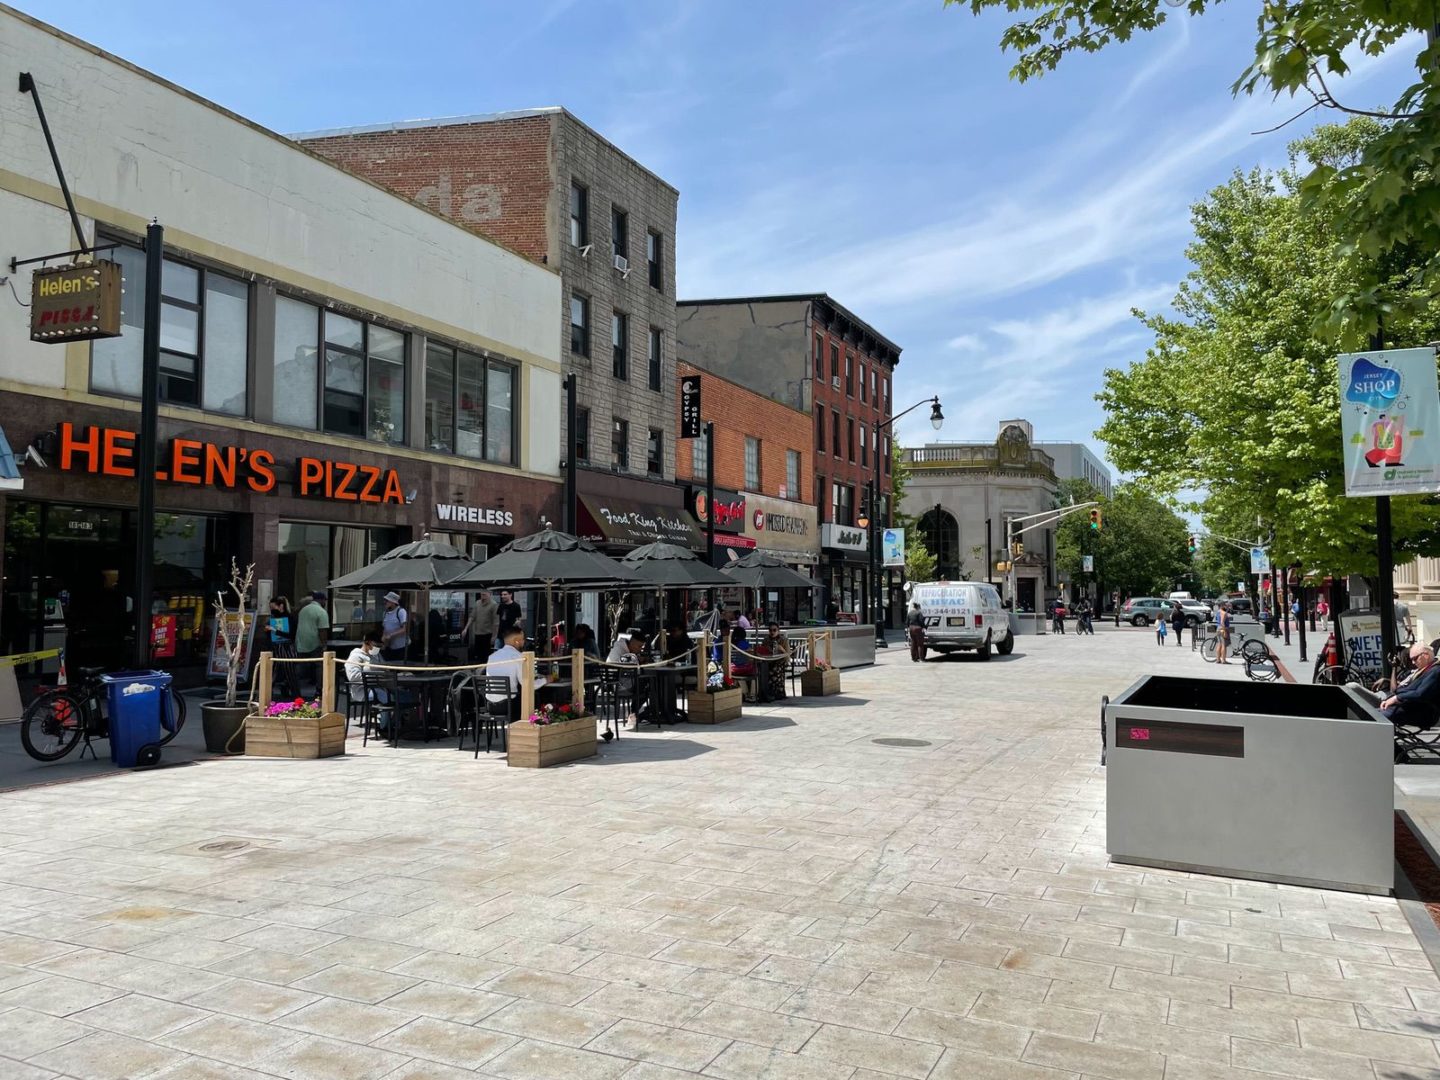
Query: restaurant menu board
x=219 y=665
x=1360 y=636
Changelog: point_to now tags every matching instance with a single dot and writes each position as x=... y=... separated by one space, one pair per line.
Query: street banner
x=1259 y=561
x=892 y=547
x=690 y=425
x=1360 y=641
x=1087 y=563
x=1390 y=422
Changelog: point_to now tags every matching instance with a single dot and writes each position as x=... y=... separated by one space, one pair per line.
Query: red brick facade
x=738 y=413
x=847 y=463
x=494 y=178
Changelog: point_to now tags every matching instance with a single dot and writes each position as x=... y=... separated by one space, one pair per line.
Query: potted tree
x=224 y=721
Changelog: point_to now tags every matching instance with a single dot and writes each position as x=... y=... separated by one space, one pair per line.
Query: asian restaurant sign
x=75 y=303
x=783 y=525
x=104 y=451
x=729 y=509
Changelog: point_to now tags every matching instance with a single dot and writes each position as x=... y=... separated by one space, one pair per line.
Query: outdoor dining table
x=429 y=687
x=664 y=691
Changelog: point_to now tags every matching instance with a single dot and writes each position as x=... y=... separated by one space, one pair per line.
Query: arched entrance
x=941 y=533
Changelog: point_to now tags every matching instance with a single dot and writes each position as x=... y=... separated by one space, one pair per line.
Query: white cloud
x=965 y=343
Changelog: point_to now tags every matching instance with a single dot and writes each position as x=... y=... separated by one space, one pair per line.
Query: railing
x=976 y=456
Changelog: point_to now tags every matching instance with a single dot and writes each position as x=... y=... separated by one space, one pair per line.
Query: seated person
x=774 y=643
x=628 y=644
x=1416 y=702
x=583 y=639
x=742 y=663
x=677 y=642
x=360 y=658
x=504 y=664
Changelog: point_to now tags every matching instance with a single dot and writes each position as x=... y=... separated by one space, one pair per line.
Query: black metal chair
x=501 y=707
x=462 y=705
x=616 y=697
x=799 y=662
x=381 y=695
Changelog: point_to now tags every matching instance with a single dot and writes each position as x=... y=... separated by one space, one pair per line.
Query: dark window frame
x=584 y=328
x=364 y=354
x=655 y=349
x=849 y=375
x=620 y=350
x=820 y=429
x=620 y=443
x=834 y=366
x=836 y=446
x=582 y=436
x=655 y=258
x=487 y=360
x=655 y=452
x=579 y=222
x=619 y=232
x=757 y=484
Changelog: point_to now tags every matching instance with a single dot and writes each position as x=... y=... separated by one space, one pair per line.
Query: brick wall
x=494 y=178
x=832 y=463
x=737 y=413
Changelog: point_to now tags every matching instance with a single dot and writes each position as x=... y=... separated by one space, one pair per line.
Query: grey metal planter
x=1277 y=782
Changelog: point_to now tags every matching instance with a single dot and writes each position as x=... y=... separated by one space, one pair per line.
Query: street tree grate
x=900 y=742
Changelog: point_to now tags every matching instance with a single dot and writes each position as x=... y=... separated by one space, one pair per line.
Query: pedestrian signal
x=1096 y=520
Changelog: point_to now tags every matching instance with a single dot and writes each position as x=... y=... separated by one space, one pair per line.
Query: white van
x=963 y=615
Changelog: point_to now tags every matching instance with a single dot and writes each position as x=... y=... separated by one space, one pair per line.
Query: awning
x=620 y=521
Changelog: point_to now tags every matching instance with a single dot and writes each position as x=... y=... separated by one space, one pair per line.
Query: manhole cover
x=900 y=742
x=224 y=845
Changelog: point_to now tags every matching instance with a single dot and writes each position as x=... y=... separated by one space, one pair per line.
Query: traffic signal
x=1097 y=520
x=1194 y=544
x=1017 y=545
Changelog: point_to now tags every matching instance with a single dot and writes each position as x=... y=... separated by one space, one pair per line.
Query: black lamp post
x=872 y=525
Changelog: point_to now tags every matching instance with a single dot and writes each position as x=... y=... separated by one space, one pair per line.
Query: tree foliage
x=1238 y=399
x=1392 y=205
x=919 y=562
x=1142 y=548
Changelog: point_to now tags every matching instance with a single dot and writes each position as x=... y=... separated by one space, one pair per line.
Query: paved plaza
x=783 y=897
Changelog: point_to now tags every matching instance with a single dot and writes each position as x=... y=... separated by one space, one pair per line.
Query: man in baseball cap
x=394 y=629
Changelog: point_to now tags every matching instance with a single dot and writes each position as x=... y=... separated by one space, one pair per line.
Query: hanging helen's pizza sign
x=75 y=303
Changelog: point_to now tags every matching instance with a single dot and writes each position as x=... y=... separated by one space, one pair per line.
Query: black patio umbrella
x=669 y=566
x=758 y=570
x=548 y=558
x=421 y=564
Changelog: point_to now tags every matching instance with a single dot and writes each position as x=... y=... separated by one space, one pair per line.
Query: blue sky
x=875 y=150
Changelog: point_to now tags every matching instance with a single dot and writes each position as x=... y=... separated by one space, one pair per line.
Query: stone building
x=963 y=494
x=555 y=190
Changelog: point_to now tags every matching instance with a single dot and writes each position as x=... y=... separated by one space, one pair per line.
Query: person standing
x=1404 y=630
x=480 y=629
x=1161 y=626
x=1177 y=623
x=1057 y=617
x=312 y=628
x=507 y=614
x=915 y=631
x=832 y=612
x=394 y=629
x=1222 y=634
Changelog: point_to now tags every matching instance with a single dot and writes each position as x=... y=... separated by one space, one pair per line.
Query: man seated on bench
x=1416 y=701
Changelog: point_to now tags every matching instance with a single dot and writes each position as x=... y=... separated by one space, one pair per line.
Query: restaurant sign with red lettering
x=106 y=451
x=729 y=509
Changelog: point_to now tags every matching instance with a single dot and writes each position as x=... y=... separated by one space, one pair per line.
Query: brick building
x=553 y=189
x=763 y=478
x=810 y=353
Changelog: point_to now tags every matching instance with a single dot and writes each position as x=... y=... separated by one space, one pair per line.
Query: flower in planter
x=299 y=709
x=555 y=714
x=821 y=665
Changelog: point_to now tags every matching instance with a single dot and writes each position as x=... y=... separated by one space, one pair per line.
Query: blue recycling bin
x=140 y=713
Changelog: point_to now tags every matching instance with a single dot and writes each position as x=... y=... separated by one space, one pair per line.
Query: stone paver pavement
x=779 y=898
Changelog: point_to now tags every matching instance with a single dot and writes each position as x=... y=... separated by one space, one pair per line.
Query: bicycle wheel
x=1261 y=670
x=1207 y=649
x=1254 y=652
x=179 y=702
x=51 y=726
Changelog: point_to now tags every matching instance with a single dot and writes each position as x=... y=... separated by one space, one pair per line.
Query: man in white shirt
x=360 y=658
x=510 y=651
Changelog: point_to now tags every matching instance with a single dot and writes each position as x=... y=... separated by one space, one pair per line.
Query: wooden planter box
x=816 y=683
x=534 y=746
x=717 y=708
x=306 y=737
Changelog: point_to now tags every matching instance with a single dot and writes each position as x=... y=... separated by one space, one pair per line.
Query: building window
x=297 y=352
x=582 y=435
x=836 y=446
x=864 y=391
x=889 y=453
x=455 y=401
x=580 y=324
x=885 y=392
x=579 y=214
x=819 y=360
x=204 y=337
x=820 y=428
x=655 y=259
x=835 y=366
x=792 y=474
x=654 y=355
x=850 y=437
x=849 y=375
x=822 y=504
x=874 y=388
x=752 y=464
x=620 y=344
x=619 y=232
x=500 y=413
x=843 y=512
x=699 y=460
x=620 y=443
x=364 y=380
x=655 y=453
x=864 y=447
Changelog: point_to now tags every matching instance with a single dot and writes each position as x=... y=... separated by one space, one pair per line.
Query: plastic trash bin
x=139 y=707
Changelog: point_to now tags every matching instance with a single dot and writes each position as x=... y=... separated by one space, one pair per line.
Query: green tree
x=1141 y=548
x=1238 y=399
x=899 y=479
x=919 y=562
x=1387 y=191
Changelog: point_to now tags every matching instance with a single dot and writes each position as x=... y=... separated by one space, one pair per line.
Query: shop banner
x=1259 y=561
x=892 y=547
x=1360 y=641
x=1390 y=422
x=219 y=665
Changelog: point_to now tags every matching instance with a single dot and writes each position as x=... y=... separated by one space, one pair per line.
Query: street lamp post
x=937 y=419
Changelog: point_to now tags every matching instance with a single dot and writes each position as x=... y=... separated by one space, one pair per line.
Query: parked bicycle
x=1261 y=664
x=56 y=720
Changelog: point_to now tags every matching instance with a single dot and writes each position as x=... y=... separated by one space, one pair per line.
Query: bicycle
x=1261 y=665
x=56 y=720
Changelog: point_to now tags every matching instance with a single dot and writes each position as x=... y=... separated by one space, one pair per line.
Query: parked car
x=1144 y=610
x=964 y=615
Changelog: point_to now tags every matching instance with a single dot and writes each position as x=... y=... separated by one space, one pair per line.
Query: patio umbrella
x=670 y=566
x=421 y=564
x=547 y=558
x=758 y=570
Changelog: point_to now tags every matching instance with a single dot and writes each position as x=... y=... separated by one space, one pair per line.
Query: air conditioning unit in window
x=623 y=265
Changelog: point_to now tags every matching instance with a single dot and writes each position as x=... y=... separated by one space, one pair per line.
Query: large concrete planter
x=817 y=683
x=224 y=727
x=718 y=707
x=537 y=746
x=291 y=737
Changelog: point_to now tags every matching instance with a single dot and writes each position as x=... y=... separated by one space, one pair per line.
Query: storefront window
x=196 y=368
x=312 y=555
x=387 y=385
x=459 y=405
x=500 y=414
x=439 y=398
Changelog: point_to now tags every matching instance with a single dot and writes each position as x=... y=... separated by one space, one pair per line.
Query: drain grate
x=224 y=845
x=900 y=742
